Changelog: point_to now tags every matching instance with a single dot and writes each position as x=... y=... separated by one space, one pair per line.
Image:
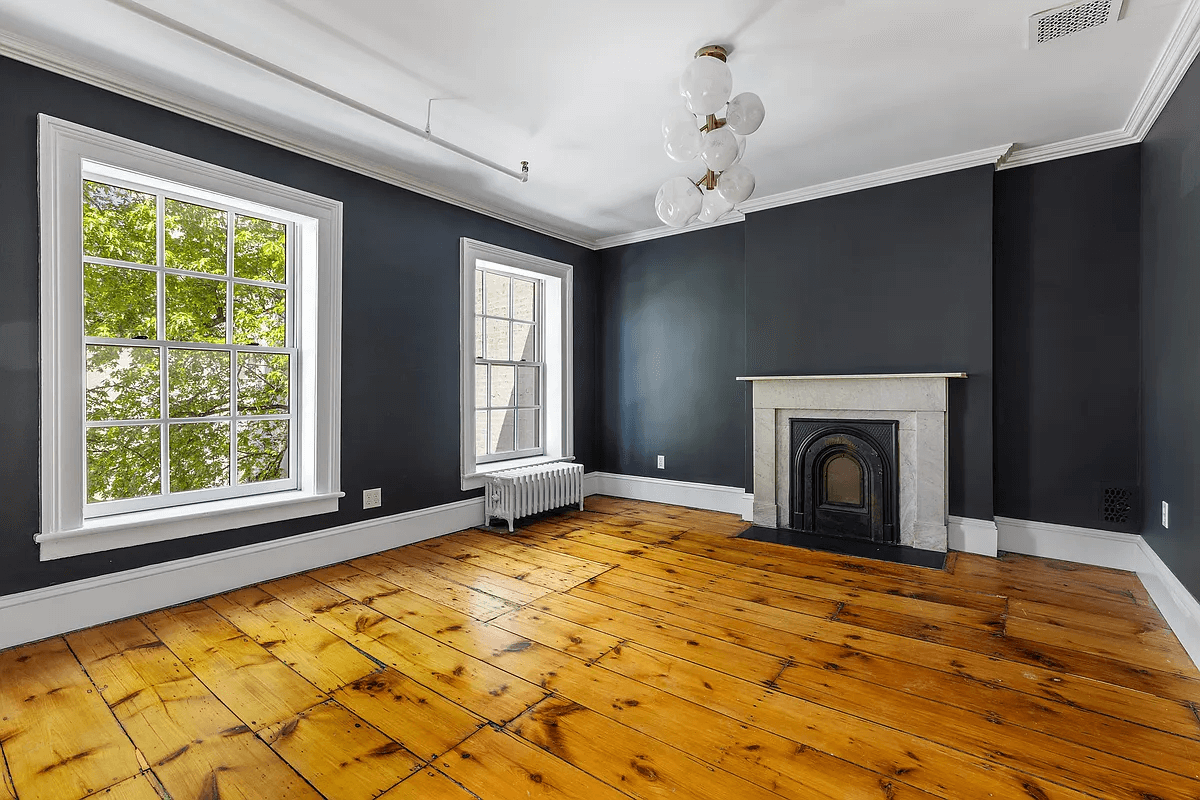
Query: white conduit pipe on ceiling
x=242 y=55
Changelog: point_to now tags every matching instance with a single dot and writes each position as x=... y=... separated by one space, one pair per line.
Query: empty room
x=725 y=399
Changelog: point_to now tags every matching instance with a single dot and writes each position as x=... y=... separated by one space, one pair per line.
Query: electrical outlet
x=1165 y=517
x=662 y=462
x=372 y=498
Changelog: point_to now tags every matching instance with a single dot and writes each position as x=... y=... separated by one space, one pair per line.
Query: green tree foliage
x=120 y=224
x=119 y=303
x=263 y=380
x=262 y=450
x=259 y=315
x=123 y=382
x=198 y=383
x=198 y=454
x=196 y=309
x=195 y=237
x=123 y=461
x=259 y=250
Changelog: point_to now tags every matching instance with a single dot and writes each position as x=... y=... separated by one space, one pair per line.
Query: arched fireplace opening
x=845 y=478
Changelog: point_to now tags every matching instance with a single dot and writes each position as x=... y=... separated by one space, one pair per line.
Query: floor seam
x=225 y=705
x=158 y=785
x=774 y=682
x=143 y=765
x=615 y=647
x=9 y=781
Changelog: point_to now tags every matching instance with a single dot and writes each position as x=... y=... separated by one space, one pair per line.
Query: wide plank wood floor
x=629 y=650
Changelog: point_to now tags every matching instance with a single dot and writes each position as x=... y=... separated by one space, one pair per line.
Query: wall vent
x=1117 y=505
x=1055 y=23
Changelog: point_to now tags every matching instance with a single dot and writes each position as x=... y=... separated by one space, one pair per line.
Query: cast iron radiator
x=514 y=493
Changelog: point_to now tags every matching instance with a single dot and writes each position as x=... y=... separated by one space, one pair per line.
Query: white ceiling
x=578 y=89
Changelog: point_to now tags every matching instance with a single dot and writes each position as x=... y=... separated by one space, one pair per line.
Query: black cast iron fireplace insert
x=845 y=478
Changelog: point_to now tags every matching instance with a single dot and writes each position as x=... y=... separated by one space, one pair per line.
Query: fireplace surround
x=917 y=403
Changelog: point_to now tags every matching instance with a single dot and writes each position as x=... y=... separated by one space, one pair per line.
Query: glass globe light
x=741 y=149
x=714 y=207
x=705 y=85
x=736 y=184
x=720 y=149
x=745 y=113
x=682 y=139
x=678 y=202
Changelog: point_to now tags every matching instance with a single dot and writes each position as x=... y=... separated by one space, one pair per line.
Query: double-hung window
x=188 y=348
x=516 y=360
x=509 y=370
x=190 y=330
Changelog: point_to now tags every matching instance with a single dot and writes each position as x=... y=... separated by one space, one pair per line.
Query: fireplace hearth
x=845 y=478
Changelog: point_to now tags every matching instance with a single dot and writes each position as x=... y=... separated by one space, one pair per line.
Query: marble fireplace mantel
x=918 y=401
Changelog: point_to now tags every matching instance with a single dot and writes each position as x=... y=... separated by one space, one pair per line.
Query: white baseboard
x=1068 y=543
x=1179 y=608
x=707 y=496
x=37 y=614
x=1116 y=550
x=969 y=535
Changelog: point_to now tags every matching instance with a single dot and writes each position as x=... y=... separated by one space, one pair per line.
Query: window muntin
x=189 y=340
x=509 y=364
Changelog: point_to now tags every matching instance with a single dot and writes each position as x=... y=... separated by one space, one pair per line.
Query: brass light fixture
x=705 y=86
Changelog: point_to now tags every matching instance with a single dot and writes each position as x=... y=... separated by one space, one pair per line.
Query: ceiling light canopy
x=694 y=129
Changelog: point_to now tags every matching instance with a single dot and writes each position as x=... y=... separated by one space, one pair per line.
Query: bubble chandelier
x=706 y=85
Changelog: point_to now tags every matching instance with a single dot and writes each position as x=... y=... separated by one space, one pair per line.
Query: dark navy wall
x=891 y=279
x=1067 y=338
x=672 y=342
x=400 y=417
x=1170 y=299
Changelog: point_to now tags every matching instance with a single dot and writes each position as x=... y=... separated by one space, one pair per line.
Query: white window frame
x=104 y=173
x=66 y=152
x=539 y=317
x=555 y=304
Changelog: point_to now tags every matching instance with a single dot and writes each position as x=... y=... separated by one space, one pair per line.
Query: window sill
x=478 y=478
x=143 y=527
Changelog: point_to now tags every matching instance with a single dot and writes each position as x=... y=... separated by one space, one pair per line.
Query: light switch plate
x=1166 y=518
x=662 y=462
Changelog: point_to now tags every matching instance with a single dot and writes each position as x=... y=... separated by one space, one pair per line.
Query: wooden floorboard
x=629 y=650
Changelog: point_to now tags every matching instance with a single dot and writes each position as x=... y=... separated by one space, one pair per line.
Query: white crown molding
x=663 y=231
x=1179 y=53
x=1173 y=64
x=1024 y=156
x=127 y=85
x=923 y=169
x=937 y=166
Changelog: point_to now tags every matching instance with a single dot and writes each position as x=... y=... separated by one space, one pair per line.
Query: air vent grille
x=1117 y=505
x=1065 y=20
